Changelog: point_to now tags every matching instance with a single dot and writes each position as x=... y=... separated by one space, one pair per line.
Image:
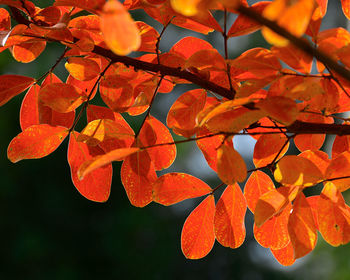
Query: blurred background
x=49 y=231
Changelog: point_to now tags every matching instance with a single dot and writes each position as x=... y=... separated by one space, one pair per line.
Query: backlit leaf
x=272 y=203
x=118 y=28
x=230 y=165
x=36 y=141
x=12 y=85
x=172 y=188
x=103 y=159
x=83 y=69
x=345 y=4
x=138 y=175
x=197 y=236
x=95 y=186
x=60 y=97
x=229 y=217
x=182 y=114
x=274 y=232
x=282 y=109
x=154 y=132
x=340 y=167
x=298 y=171
x=269 y=147
x=257 y=184
x=301 y=227
x=285 y=256
x=27 y=52
x=333 y=216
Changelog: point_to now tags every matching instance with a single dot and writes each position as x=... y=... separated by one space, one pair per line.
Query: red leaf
x=96 y=185
x=229 y=217
x=36 y=141
x=172 y=188
x=197 y=236
x=27 y=52
x=12 y=85
x=83 y=69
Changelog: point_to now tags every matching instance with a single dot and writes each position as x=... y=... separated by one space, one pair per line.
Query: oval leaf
x=11 y=85
x=197 y=236
x=36 y=141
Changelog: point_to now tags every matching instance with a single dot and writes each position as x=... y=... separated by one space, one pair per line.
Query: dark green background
x=49 y=231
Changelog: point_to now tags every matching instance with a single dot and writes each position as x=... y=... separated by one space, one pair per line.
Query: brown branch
x=298 y=42
x=299 y=127
x=164 y=71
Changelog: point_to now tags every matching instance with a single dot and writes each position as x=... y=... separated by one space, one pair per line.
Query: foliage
x=251 y=95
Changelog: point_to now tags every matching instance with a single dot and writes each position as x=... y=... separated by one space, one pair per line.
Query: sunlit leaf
x=138 y=175
x=257 y=184
x=301 y=227
x=118 y=28
x=229 y=217
x=12 y=85
x=298 y=171
x=172 y=188
x=62 y=98
x=339 y=167
x=98 y=161
x=36 y=141
x=82 y=69
x=230 y=165
x=27 y=52
x=285 y=256
x=269 y=147
x=96 y=185
x=273 y=233
x=333 y=216
x=197 y=236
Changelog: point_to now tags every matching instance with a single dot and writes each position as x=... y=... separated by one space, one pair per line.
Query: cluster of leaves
x=250 y=95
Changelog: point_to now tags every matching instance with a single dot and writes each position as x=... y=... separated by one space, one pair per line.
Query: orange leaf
x=182 y=114
x=333 y=216
x=298 y=171
x=209 y=146
x=345 y=4
x=230 y=165
x=197 y=236
x=116 y=92
x=294 y=16
x=274 y=232
x=83 y=69
x=257 y=184
x=244 y=25
x=36 y=141
x=172 y=188
x=340 y=167
x=341 y=144
x=154 y=132
x=319 y=158
x=101 y=130
x=98 y=161
x=272 y=203
x=149 y=37
x=229 y=217
x=268 y=147
x=95 y=186
x=33 y=112
x=138 y=175
x=12 y=85
x=27 y=52
x=282 y=109
x=301 y=227
x=93 y=6
x=187 y=46
x=285 y=256
x=60 y=97
x=118 y=28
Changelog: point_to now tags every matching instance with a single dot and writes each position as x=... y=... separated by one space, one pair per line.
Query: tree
x=251 y=95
